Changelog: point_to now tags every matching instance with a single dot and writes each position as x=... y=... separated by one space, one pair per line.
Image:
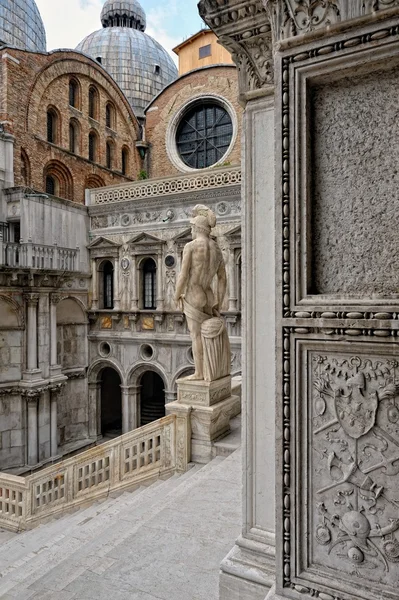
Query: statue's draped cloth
x=215 y=342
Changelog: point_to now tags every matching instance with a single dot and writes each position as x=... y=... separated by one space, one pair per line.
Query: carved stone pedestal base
x=203 y=393
x=212 y=406
x=248 y=571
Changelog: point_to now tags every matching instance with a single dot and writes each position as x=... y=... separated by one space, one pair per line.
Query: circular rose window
x=204 y=134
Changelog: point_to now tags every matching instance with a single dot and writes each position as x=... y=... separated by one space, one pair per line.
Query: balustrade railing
x=160 y=448
x=38 y=256
x=166 y=186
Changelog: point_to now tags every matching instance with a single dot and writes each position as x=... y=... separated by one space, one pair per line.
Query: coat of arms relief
x=355 y=466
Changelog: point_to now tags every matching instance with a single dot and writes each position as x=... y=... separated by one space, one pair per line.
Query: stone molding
x=327 y=325
x=243 y=28
x=194 y=182
x=290 y=18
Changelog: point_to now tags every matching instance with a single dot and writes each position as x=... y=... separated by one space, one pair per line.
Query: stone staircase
x=161 y=542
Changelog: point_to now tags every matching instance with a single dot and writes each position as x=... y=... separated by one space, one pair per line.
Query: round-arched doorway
x=111 y=403
x=152 y=398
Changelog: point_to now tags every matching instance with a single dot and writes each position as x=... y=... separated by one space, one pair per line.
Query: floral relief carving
x=355 y=465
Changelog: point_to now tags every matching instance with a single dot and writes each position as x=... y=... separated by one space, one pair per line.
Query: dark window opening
x=157 y=69
x=108 y=116
x=205 y=51
x=125 y=161
x=92 y=147
x=108 y=285
x=51 y=126
x=149 y=284
x=204 y=135
x=92 y=103
x=109 y=155
x=152 y=398
x=72 y=138
x=50 y=185
x=99 y=59
x=73 y=93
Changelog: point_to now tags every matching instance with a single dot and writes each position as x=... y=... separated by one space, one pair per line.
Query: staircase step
x=95 y=530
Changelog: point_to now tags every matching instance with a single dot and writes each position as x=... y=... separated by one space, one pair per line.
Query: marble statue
x=202 y=262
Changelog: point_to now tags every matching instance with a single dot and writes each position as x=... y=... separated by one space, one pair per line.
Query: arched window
x=52 y=126
x=25 y=168
x=110 y=116
x=58 y=180
x=109 y=154
x=93 y=146
x=93 y=103
x=125 y=161
x=73 y=93
x=108 y=285
x=51 y=185
x=149 y=284
x=73 y=136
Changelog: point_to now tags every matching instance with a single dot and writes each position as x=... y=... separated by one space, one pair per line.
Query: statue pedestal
x=212 y=406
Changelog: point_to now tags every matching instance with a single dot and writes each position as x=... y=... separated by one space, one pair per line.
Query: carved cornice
x=289 y=18
x=244 y=29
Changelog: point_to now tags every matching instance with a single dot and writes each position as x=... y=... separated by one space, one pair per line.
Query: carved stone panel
x=347 y=526
x=355 y=221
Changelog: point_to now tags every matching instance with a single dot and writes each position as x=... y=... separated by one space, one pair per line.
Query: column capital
x=244 y=29
x=55 y=298
x=56 y=388
x=31 y=299
x=32 y=394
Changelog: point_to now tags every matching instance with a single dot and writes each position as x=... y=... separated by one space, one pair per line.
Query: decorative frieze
x=211 y=179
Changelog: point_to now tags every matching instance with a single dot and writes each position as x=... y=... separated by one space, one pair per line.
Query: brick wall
x=36 y=81
x=221 y=80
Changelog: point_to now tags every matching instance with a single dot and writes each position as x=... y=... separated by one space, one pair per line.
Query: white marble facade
x=319 y=506
x=145 y=330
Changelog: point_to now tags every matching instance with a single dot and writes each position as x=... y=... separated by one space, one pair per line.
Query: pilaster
x=248 y=572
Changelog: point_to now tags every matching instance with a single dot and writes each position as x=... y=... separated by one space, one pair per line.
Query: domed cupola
x=138 y=63
x=116 y=13
x=21 y=25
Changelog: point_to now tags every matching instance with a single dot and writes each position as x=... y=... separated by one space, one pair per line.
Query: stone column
x=33 y=427
x=135 y=297
x=53 y=422
x=134 y=403
x=95 y=409
x=55 y=368
x=232 y=282
x=248 y=572
x=117 y=284
x=32 y=301
x=125 y=408
x=160 y=284
x=94 y=285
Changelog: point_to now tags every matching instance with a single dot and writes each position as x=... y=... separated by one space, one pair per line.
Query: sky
x=67 y=22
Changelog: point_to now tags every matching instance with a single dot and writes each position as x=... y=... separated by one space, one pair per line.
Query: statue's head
x=204 y=220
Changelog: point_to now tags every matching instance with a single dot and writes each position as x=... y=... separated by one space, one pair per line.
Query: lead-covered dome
x=137 y=62
x=21 y=25
x=116 y=13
